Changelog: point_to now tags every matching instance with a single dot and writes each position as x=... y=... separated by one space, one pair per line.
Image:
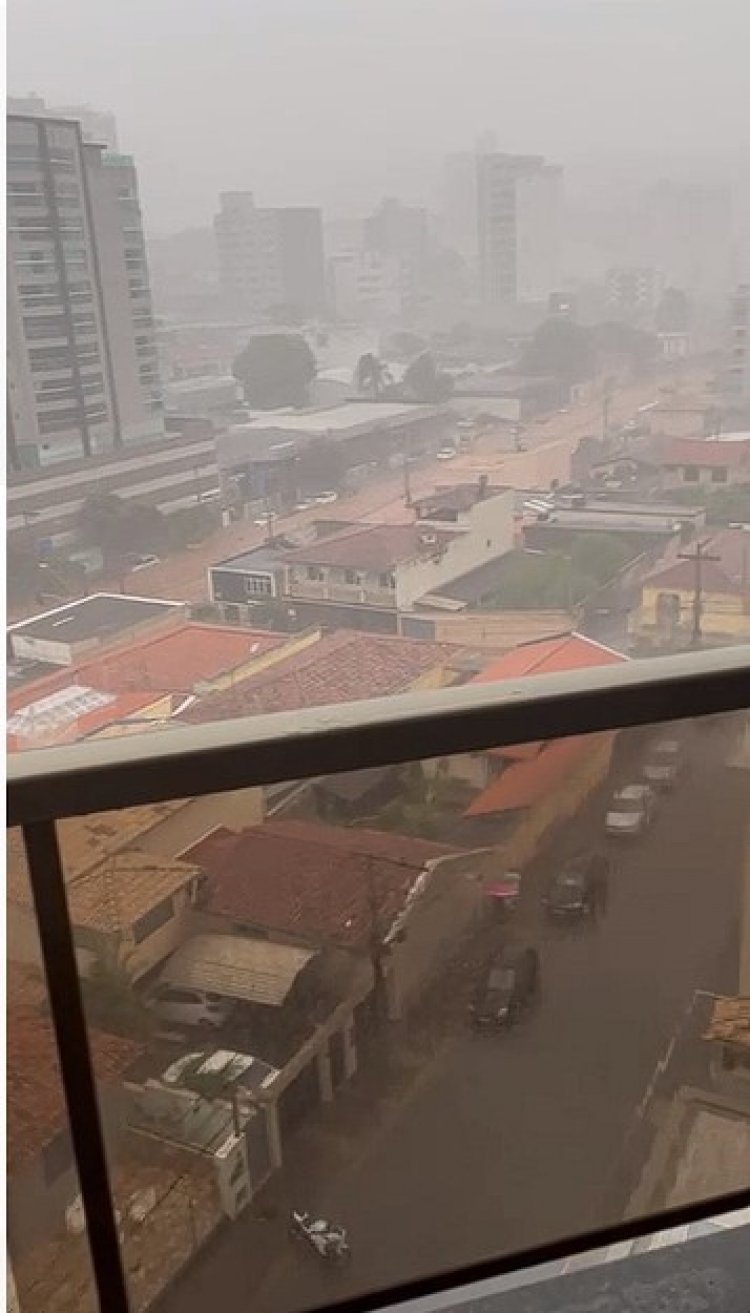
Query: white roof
x=349 y=415
x=237 y=966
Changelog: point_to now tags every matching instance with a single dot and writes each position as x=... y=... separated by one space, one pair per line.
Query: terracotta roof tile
x=123 y=888
x=313 y=881
x=709 y=454
x=35 y=1103
x=525 y=782
x=364 y=547
x=681 y=575
x=343 y=667
x=550 y=656
x=730 y=1021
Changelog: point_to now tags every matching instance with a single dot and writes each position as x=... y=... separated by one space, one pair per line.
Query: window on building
x=719 y=475
x=691 y=474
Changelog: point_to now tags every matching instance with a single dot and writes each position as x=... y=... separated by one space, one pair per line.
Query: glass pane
x=458 y=1008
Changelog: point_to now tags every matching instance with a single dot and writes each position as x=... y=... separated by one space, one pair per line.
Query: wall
x=490 y=535
x=723 y=616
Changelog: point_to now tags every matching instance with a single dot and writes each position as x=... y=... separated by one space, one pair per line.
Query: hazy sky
x=333 y=102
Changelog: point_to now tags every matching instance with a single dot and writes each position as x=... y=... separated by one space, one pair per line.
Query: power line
x=698 y=557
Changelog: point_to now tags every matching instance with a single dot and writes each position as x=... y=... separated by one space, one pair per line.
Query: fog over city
x=337 y=102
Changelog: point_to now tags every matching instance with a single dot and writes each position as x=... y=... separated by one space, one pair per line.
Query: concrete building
x=97 y=125
x=270 y=258
x=400 y=233
x=519 y=220
x=365 y=286
x=633 y=292
x=83 y=374
x=736 y=377
x=212 y=394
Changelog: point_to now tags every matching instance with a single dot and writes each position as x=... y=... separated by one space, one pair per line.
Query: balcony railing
x=104 y=775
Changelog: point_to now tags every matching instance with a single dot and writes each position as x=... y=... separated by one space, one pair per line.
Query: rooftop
x=531 y=777
x=265 y=559
x=98 y=617
x=376 y=547
x=35 y=1104
x=730 y=1022
x=550 y=656
x=707 y=452
x=310 y=880
x=354 y=416
x=71 y=711
x=342 y=667
x=681 y=576
x=256 y=970
x=123 y=889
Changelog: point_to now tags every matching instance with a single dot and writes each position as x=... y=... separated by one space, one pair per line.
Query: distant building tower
x=736 y=376
x=397 y=232
x=519 y=223
x=97 y=125
x=633 y=293
x=83 y=373
x=270 y=258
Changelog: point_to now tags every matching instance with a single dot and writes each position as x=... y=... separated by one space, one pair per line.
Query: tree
x=372 y=375
x=275 y=369
x=118 y=526
x=404 y=345
x=112 y=1000
x=561 y=348
x=424 y=381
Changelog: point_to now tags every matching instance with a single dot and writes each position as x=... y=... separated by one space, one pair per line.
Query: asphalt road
x=506 y=1141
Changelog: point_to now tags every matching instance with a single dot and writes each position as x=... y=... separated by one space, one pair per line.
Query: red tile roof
x=314 y=881
x=525 y=782
x=343 y=667
x=171 y=662
x=550 y=656
x=681 y=576
x=33 y=725
x=35 y=1102
x=712 y=454
x=364 y=547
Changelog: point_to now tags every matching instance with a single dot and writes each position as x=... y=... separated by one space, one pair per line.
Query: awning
x=236 y=966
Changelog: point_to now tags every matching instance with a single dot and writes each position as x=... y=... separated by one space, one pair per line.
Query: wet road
x=506 y=1141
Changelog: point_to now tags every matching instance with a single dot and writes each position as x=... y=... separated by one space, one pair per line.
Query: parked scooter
x=328 y=1240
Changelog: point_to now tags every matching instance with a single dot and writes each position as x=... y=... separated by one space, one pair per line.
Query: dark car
x=508 y=986
x=579 y=890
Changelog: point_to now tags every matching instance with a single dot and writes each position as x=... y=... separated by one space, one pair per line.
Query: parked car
x=447 y=453
x=664 y=764
x=304 y=505
x=631 y=811
x=579 y=889
x=509 y=984
x=190 y=1007
x=327 y=497
x=229 y=1074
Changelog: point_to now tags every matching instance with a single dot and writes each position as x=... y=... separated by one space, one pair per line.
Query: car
x=509 y=984
x=447 y=453
x=263 y=521
x=326 y=498
x=631 y=811
x=229 y=1074
x=579 y=890
x=304 y=505
x=664 y=764
x=190 y=1007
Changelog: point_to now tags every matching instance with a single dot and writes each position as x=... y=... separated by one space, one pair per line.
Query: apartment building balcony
x=577 y=1260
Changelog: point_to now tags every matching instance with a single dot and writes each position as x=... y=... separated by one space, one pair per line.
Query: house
x=666 y=615
x=70 y=634
x=42 y=1179
x=524 y=790
x=138 y=684
x=396 y=903
x=342 y=667
x=705 y=462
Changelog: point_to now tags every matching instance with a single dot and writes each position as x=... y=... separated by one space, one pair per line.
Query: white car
x=665 y=764
x=227 y=1071
x=190 y=1007
x=447 y=453
x=326 y=498
x=304 y=505
x=631 y=811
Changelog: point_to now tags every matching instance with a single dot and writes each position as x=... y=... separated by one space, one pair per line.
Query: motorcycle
x=328 y=1240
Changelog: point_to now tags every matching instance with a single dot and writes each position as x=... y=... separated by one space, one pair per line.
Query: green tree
x=275 y=369
x=111 y=999
x=118 y=526
x=561 y=348
x=424 y=381
x=372 y=375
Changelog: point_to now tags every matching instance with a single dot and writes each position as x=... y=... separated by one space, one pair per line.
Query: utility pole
x=606 y=402
x=407 y=471
x=698 y=557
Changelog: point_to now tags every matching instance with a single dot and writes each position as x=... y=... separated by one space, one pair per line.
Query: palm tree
x=372 y=374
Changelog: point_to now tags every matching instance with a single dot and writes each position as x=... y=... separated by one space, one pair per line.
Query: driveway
x=503 y=1142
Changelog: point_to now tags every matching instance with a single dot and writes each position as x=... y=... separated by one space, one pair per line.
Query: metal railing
x=111 y=774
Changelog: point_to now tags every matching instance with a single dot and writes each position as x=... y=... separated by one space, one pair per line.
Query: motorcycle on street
x=327 y=1239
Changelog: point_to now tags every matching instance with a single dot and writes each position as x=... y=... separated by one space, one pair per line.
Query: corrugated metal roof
x=237 y=966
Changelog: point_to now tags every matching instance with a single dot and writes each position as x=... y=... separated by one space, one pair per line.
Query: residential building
x=68 y=634
x=270 y=258
x=524 y=790
x=704 y=462
x=366 y=287
x=400 y=233
x=519 y=199
x=735 y=380
x=459 y=203
x=83 y=375
x=685 y=230
x=213 y=394
x=666 y=616
x=42 y=1177
x=633 y=293
x=97 y=125
x=341 y=667
x=395 y=901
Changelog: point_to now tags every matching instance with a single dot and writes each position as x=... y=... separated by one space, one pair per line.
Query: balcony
x=514 y=1188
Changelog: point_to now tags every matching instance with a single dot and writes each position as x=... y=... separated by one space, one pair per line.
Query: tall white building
x=270 y=258
x=519 y=223
x=97 y=125
x=83 y=374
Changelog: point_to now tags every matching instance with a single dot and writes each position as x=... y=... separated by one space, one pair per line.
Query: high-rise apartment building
x=400 y=232
x=270 y=258
x=97 y=125
x=633 y=292
x=83 y=373
x=519 y=221
x=735 y=382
